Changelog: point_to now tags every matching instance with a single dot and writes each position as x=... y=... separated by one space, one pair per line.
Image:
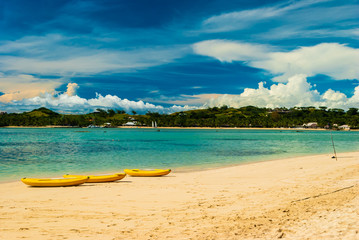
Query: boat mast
x=335 y=153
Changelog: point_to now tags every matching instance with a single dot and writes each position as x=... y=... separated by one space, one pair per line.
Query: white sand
x=312 y=197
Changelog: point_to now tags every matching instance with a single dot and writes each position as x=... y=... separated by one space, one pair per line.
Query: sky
x=74 y=56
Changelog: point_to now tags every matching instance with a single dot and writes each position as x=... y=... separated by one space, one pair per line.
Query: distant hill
x=42 y=112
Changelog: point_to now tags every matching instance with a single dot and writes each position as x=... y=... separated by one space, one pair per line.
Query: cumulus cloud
x=68 y=102
x=297 y=92
x=17 y=87
x=71 y=89
x=332 y=59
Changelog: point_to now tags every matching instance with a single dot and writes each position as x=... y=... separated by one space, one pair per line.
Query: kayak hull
x=99 y=178
x=54 y=182
x=147 y=173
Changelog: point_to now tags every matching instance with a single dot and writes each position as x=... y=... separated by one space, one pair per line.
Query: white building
x=310 y=125
x=130 y=124
x=344 y=127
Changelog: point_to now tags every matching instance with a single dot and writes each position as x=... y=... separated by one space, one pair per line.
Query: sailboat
x=154 y=124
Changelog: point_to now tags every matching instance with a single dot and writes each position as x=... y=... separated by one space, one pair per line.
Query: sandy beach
x=312 y=197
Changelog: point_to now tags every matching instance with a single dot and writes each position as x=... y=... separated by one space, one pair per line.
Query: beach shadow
x=82 y=185
x=94 y=184
x=151 y=176
x=159 y=177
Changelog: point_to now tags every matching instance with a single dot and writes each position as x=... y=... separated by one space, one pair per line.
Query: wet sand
x=312 y=197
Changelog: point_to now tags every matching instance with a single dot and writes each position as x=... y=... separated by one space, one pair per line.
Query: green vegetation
x=212 y=117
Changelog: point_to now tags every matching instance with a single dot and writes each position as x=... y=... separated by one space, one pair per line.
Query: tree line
x=248 y=116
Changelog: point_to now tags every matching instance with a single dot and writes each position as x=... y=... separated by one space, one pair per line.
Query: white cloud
x=308 y=19
x=243 y=19
x=92 y=61
x=296 y=31
x=68 y=102
x=332 y=59
x=334 y=96
x=297 y=92
x=72 y=88
x=34 y=45
x=354 y=100
x=228 y=51
x=183 y=99
x=17 y=87
x=57 y=55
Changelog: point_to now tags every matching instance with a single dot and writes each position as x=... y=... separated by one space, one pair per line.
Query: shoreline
x=310 y=197
x=192 y=169
x=184 y=128
x=16 y=172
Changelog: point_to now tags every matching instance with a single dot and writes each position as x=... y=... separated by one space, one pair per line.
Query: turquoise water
x=31 y=152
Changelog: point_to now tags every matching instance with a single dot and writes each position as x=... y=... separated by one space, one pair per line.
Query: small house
x=310 y=125
x=344 y=127
x=130 y=124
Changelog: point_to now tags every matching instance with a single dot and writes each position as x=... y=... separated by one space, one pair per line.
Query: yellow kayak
x=99 y=178
x=54 y=182
x=147 y=173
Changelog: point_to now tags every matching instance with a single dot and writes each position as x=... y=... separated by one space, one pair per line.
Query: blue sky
x=76 y=56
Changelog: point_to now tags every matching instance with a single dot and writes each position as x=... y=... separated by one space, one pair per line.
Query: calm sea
x=31 y=152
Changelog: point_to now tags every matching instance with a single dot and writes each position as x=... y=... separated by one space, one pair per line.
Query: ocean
x=52 y=152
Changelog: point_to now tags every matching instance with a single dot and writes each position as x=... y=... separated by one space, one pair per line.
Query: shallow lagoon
x=34 y=152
